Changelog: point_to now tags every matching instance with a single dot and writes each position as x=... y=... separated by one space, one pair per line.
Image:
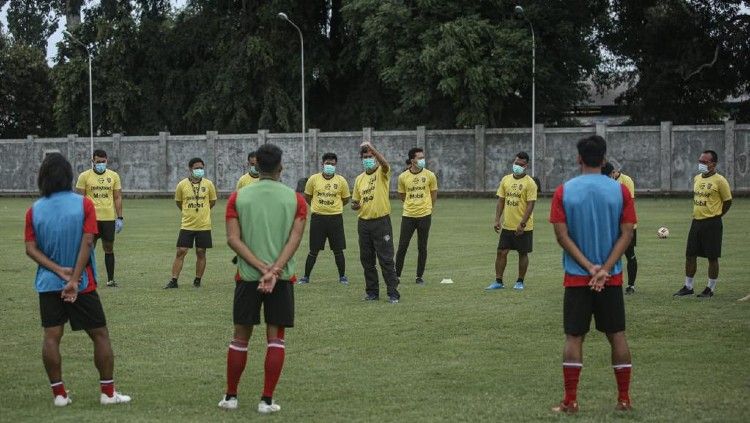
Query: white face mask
x=702 y=168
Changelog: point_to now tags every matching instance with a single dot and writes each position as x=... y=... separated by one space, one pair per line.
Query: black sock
x=227 y=397
x=197 y=279
x=338 y=256
x=499 y=280
x=520 y=280
x=310 y=263
x=174 y=280
x=267 y=400
x=109 y=263
x=632 y=270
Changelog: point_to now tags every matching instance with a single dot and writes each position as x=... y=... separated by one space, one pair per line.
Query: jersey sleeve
x=631 y=187
x=231 y=212
x=178 y=192
x=501 y=189
x=628 y=207
x=401 y=184
x=724 y=192
x=116 y=185
x=345 y=188
x=28 y=232
x=89 y=217
x=81 y=182
x=212 y=192
x=532 y=191
x=433 y=183
x=309 y=185
x=301 y=207
x=557 y=211
x=239 y=184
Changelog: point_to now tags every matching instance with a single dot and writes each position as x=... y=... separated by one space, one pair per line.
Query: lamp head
x=519 y=10
x=283 y=16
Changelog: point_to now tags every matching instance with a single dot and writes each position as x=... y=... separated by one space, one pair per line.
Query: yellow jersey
x=709 y=195
x=246 y=180
x=196 y=207
x=371 y=191
x=327 y=194
x=517 y=193
x=101 y=190
x=417 y=188
x=626 y=180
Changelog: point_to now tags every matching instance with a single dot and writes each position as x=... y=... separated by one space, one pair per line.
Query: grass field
x=445 y=353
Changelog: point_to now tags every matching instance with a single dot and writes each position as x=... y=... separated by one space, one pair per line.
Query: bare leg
x=500 y=261
x=200 y=262
x=713 y=268
x=523 y=265
x=178 y=261
x=691 y=266
x=104 y=358
x=51 y=352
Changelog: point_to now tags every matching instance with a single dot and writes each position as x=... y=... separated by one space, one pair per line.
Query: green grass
x=445 y=353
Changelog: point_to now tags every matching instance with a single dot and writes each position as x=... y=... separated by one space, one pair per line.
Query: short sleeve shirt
x=196 y=206
x=100 y=189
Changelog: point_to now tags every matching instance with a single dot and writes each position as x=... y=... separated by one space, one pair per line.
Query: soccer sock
x=712 y=284
x=519 y=280
x=58 y=388
x=622 y=374
x=632 y=270
x=274 y=363
x=688 y=282
x=109 y=263
x=310 y=263
x=236 y=360
x=571 y=374
x=107 y=387
x=499 y=280
x=338 y=256
x=197 y=279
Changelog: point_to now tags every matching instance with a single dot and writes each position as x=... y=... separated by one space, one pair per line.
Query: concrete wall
x=661 y=159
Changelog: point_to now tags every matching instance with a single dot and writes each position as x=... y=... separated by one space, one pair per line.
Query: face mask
x=253 y=170
x=702 y=168
x=198 y=173
x=329 y=169
x=518 y=170
x=421 y=163
x=369 y=163
x=100 y=167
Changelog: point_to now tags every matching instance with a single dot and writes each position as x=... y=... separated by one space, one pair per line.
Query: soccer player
x=252 y=175
x=417 y=188
x=265 y=223
x=593 y=269
x=515 y=204
x=370 y=199
x=59 y=236
x=103 y=187
x=610 y=170
x=327 y=193
x=712 y=199
x=195 y=197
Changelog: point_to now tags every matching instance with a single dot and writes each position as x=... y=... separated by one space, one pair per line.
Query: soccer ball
x=663 y=232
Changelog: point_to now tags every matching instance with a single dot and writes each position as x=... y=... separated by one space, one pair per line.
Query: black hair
x=250 y=155
x=329 y=156
x=714 y=156
x=55 y=175
x=269 y=158
x=195 y=160
x=413 y=152
x=99 y=153
x=608 y=168
x=592 y=150
x=523 y=156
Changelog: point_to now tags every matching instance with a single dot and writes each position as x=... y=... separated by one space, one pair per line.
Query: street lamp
x=91 y=95
x=520 y=12
x=284 y=17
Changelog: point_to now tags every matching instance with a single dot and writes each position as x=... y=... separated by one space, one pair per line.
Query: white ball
x=662 y=232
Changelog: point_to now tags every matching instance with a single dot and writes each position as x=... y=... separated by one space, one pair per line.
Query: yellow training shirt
x=100 y=189
x=626 y=180
x=709 y=194
x=517 y=193
x=246 y=180
x=327 y=194
x=371 y=191
x=417 y=188
x=196 y=207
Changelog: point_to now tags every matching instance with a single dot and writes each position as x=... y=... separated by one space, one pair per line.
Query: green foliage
x=31 y=22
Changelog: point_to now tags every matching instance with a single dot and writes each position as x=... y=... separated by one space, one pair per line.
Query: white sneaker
x=264 y=408
x=117 y=398
x=61 y=401
x=228 y=404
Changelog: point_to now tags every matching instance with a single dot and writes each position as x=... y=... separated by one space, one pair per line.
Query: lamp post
x=91 y=95
x=283 y=16
x=520 y=12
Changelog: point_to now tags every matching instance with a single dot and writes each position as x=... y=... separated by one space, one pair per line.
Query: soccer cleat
x=570 y=408
x=420 y=281
x=683 y=292
x=228 y=403
x=112 y=284
x=196 y=283
x=264 y=408
x=61 y=401
x=393 y=299
x=171 y=284
x=117 y=398
x=371 y=297
x=495 y=285
x=623 y=406
x=343 y=280
x=707 y=293
x=303 y=280
x=630 y=290
x=518 y=286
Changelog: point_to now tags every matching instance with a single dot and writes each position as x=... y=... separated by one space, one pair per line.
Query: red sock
x=107 y=387
x=622 y=374
x=236 y=360
x=274 y=363
x=58 y=388
x=571 y=374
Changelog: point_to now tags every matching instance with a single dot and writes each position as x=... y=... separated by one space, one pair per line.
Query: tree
x=31 y=22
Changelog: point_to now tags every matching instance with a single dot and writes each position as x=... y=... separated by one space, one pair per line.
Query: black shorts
x=278 y=306
x=85 y=313
x=186 y=238
x=523 y=243
x=630 y=251
x=704 y=239
x=106 y=230
x=607 y=307
x=329 y=227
